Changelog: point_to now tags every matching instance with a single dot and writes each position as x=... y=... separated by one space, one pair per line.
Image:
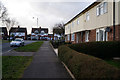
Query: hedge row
x=56 y=44
x=104 y=50
x=87 y=67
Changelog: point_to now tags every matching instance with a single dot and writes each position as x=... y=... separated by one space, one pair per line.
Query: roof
x=85 y=10
x=16 y=29
x=50 y=34
x=34 y=29
x=4 y=29
x=45 y=30
x=40 y=29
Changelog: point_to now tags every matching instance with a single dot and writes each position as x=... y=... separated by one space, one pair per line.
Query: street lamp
x=37 y=21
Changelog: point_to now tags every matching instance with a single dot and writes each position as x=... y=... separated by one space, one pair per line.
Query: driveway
x=6 y=46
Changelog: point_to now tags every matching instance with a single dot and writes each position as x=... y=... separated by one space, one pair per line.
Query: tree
x=59 y=29
x=5 y=19
x=3 y=13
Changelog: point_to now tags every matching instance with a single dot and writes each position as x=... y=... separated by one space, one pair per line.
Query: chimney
x=40 y=27
x=18 y=26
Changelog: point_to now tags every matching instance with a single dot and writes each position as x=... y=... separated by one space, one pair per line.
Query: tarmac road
x=6 y=46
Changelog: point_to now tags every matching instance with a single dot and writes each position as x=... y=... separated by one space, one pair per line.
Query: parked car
x=17 y=42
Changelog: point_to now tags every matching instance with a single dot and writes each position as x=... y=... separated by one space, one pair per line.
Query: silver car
x=17 y=42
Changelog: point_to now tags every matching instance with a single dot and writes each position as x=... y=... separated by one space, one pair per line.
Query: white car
x=17 y=42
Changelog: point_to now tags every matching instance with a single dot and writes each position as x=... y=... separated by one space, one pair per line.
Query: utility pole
x=37 y=22
x=113 y=20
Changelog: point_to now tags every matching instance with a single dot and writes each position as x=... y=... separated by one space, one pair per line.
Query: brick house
x=18 y=32
x=4 y=33
x=39 y=33
x=95 y=23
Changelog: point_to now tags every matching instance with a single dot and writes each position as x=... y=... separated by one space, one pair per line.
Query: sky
x=48 y=12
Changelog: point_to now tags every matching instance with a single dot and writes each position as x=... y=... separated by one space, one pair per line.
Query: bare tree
x=59 y=29
x=5 y=19
x=3 y=13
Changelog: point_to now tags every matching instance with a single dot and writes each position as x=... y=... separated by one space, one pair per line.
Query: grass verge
x=14 y=66
x=5 y=41
x=33 y=47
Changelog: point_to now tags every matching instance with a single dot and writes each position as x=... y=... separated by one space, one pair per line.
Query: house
x=18 y=32
x=98 y=22
x=50 y=36
x=4 y=32
x=39 y=33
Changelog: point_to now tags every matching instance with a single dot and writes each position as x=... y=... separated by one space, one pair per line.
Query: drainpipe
x=113 y=20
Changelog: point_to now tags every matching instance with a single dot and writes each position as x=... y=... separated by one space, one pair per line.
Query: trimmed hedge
x=104 y=50
x=87 y=67
x=56 y=44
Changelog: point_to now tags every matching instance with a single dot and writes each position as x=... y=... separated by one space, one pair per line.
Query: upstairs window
x=98 y=11
x=101 y=9
x=78 y=21
x=105 y=7
x=87 y=16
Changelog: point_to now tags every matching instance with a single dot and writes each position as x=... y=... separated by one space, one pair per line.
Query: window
x=86 y=36
x=73 y=36
x=101 y=9
x=105 y=7
x=78 y=21
x=101 y=35
x=98 y=11
x=87 y=16
x=68 y=37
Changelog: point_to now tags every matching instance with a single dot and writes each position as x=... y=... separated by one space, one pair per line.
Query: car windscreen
x=17 y=40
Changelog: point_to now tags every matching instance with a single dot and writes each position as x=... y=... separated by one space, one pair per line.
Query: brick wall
x=92 y=35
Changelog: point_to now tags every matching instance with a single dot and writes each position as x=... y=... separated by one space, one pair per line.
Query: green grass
x=5 y=41
x=114 y=63
x=33 y=47
x=14 y=66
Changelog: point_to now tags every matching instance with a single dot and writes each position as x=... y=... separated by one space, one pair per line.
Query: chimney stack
x=18 y=26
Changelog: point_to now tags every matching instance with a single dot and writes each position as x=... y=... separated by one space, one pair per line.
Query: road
x=6 y=46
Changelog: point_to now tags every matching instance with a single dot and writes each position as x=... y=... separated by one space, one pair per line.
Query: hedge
x=56 y=44
x=104 y=50
x=85 y=66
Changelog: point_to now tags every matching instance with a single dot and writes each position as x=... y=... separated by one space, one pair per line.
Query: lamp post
x=37 y=21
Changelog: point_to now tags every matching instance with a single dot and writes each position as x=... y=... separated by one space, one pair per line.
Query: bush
x=87 y=67
x=104 y=50
x=58 y=43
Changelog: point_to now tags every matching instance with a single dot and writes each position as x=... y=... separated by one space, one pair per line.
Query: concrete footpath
x=46 y=64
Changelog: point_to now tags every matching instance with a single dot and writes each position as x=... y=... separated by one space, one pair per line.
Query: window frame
x=73 y=37
x=87 y=16
x=86 y=36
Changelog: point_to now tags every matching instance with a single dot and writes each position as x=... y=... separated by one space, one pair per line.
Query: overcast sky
x=49 y=12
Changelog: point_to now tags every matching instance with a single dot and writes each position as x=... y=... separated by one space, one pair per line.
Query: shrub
x=58 y=43
x=104 y=50
x=87 y=67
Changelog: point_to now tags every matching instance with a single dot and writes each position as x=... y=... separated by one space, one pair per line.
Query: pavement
x=46 y=65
